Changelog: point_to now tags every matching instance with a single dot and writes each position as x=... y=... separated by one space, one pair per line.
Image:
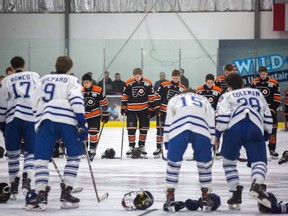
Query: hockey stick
x=161 y=135
x=122 y=140
x=105 y=195
x=75 y=190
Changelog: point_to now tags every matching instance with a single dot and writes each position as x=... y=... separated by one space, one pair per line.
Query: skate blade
x=40 y=207
x=234 y=206
x=144 y=157
x=68 y=205
x=264 y=201
x=274 y=157
x=129 y=156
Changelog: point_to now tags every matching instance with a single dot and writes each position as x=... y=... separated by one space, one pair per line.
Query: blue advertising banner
x=248 y=55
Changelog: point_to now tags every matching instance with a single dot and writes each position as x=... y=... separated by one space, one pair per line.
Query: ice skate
x=26 y=183
x=129 y=152
x=92 y=153
x=67 y=200
x=284 y=158
x=234 y=203
x=170 y=197
x=207 y=202
x=157 y=153
x=39 y=202
x=259 y=194
x=274 y=155
x=143 y=151
x=14 y=188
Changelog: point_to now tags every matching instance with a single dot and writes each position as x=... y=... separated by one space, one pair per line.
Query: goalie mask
x=4 y=192
x=109 y=153
x=137 y=200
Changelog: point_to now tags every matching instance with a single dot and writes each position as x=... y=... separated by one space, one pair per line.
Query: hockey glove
x=157 y=110
x=82 y=128
x=266 y=136
x=123 y=112
x=151 y=113
x=105 y=117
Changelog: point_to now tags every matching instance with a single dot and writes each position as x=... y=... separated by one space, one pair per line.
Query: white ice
x=118 y=177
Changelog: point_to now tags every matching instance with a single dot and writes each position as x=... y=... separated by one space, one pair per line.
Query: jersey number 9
x=49 y=92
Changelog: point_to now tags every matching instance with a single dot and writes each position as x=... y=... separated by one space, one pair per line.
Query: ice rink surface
x=118 y=177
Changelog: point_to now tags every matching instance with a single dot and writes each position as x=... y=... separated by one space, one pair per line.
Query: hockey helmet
x=136 y=153
x=4 y=192
x=109 y=153
x=137 y=200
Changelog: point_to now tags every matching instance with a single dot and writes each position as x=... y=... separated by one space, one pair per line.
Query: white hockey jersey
x=15 y=96
x=236 y=105
x=59 y=97
x=192 y=112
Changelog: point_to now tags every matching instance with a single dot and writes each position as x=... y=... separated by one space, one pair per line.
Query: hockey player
x=138 y=104
x=59 y=108
x=190 y=119
x=16 y=112
x=210 y=91
x=284 y=158
x=96 y=105
x=220 y=80
x=271 y=91
x=244 y=117
x=165 y=92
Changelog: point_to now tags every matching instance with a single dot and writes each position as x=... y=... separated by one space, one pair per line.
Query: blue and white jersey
x=236 y=105
x=15 y=96
x=192 y=112
x=59 y=98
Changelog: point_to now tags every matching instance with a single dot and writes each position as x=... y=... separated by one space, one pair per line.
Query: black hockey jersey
x=94 y=98
x=286 y=103
x=270 y=89
x=212 y=94
x=138 y=96
x=165 y=92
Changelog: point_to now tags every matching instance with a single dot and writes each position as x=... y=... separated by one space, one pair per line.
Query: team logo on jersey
x=89 y=101
x=265 y=91
x=211 y=100
x=138 y=91
x=171 y=93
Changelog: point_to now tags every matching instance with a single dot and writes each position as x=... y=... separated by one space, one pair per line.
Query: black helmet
x=109 y=153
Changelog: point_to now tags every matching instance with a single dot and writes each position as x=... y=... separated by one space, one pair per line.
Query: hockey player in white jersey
x=16 y=113
x=244 y=118
x=190 y=119
x=59 y=107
